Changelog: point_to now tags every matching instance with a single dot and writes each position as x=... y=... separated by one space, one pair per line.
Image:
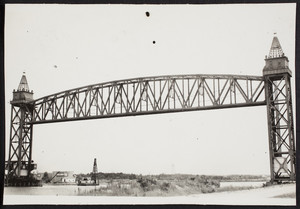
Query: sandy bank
x=260 y=196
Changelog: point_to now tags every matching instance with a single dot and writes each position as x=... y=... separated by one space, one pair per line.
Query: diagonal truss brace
x=150 y=95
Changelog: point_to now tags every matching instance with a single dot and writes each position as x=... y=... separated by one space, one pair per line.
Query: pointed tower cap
x=276 y=62
x=23 y=86
x=276 y=50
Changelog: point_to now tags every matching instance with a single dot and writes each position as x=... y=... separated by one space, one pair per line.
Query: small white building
x=67 y=177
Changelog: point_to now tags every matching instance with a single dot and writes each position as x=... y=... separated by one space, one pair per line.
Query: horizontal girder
x=150 y=95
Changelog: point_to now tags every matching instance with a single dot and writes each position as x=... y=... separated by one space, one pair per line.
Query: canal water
x=57 y=190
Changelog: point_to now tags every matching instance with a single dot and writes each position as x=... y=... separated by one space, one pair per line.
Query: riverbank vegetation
x=119 y=184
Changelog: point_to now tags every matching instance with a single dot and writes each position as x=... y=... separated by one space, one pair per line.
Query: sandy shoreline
x=260 y=196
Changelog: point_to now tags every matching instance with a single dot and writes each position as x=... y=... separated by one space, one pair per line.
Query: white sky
x=97 y=43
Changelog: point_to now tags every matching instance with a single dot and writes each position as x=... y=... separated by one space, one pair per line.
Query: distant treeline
x=101 y=175
x=173 y=177
x=212 y=177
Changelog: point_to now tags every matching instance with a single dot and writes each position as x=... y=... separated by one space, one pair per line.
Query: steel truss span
x=150 y=95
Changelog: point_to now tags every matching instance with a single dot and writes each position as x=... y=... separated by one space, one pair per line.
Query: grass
x=153 y=187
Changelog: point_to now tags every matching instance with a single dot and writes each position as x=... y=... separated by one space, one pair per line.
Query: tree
x=46 y=177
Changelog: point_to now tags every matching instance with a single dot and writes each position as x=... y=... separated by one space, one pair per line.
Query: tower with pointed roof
x=20 y=164
x=22 y=94
x=95 y=168
x=280 y=114
x=95 y=171
x=276 y=61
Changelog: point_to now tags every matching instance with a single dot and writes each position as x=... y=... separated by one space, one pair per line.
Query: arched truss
x=150 y=95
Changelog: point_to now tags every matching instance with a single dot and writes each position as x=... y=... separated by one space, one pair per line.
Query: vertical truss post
x=280 y=115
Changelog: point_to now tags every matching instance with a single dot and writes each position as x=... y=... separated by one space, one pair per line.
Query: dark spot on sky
x=147 y=14
x=77 y=58
x=55 y=66
x=153 y=42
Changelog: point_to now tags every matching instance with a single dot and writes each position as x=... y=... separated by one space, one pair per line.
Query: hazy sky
x=68 y=46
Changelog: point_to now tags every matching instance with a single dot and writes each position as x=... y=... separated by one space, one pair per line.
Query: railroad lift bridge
x=161 y=94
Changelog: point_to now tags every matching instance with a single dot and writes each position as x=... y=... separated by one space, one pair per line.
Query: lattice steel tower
x=95 y=171
x=95 y=168
x=280 y=114
x=20 y=164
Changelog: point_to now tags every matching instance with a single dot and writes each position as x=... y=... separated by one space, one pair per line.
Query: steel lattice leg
x=19 y=161
x=280 y=127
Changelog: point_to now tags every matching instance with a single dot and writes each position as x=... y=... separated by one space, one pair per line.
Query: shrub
x=46 y=178
x=207 y=190
x=147 y=184
x=165 y=186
